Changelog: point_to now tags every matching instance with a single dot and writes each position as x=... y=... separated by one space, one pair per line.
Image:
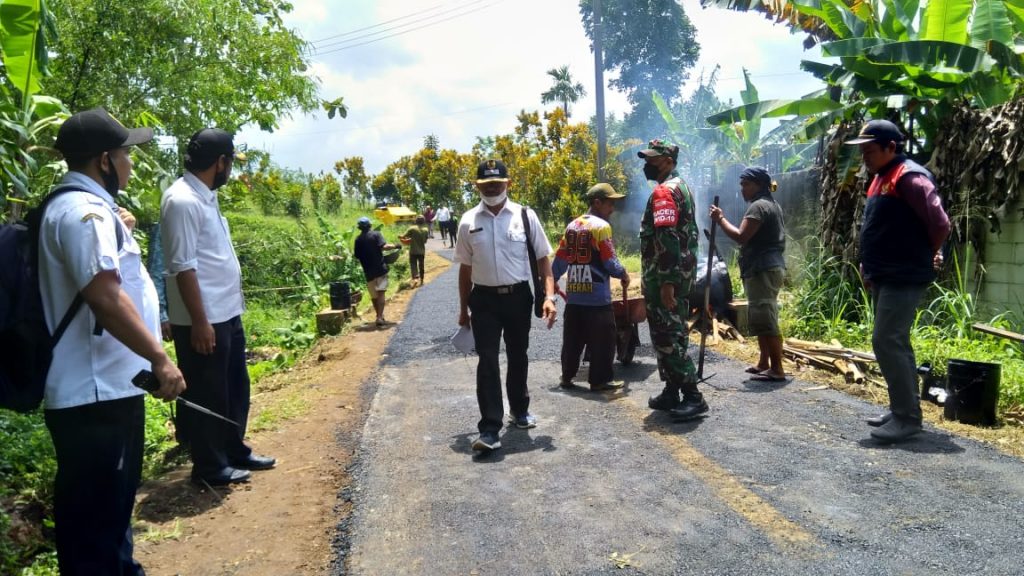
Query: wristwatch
x=553 y=299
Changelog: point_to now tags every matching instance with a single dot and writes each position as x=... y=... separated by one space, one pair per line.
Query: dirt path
x=283 y=521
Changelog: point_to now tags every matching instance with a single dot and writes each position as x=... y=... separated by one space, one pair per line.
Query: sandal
x=754 y=370
x=768 y=376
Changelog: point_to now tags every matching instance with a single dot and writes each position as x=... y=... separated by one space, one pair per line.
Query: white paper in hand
x=463 y=340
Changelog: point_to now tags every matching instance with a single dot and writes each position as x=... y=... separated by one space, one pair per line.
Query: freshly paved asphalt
x=777 y=479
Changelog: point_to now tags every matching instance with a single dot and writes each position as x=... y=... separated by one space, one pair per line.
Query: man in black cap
x=494 y=284
x=94 y=414
x=900 y=248
x=205 y=305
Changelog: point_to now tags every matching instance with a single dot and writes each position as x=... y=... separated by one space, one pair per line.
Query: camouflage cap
x=658 y=147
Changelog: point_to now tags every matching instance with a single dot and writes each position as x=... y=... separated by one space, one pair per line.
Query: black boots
x=690 y=408
x=667 y=400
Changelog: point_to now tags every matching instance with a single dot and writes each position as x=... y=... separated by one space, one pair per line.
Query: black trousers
x=99 y=465
x=592 y=327
x=220 y=382
x=494 y=316
x=416 y=265
x=453 y=230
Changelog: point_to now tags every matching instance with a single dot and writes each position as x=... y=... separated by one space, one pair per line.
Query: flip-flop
x=767 y=377
x=754 y=370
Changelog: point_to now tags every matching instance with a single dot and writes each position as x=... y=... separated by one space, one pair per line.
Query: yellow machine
x=391 y=214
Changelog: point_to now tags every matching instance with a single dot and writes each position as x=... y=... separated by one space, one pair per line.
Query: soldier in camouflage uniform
x=668 y=248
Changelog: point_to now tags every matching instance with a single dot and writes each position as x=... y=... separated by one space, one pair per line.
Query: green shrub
x=827 y=304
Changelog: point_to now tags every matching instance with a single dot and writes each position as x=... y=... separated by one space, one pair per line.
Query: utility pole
x=602 y=150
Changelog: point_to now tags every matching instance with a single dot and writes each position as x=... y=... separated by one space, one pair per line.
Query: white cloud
x=468 y=76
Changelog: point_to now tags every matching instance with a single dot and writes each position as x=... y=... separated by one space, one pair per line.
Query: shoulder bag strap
x=79 y=300
x=538 y=288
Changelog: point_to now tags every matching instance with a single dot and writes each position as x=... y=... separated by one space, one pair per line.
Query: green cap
x=659 y=147
x=603 y=190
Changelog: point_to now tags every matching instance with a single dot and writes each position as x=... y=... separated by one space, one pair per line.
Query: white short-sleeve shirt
x=495 y=245
x=78 y=241
x=196 y=237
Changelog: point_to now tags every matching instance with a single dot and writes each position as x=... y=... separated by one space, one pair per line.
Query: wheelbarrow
x=628 y=312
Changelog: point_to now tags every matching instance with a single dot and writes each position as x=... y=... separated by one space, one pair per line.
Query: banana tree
x=963 y=51
x=23 y=28
x=27 y=118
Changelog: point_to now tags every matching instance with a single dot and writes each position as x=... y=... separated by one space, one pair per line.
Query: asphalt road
x=777 y=479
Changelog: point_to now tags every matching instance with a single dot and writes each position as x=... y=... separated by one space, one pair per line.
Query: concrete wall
x=801 y=202
x=1004 y=266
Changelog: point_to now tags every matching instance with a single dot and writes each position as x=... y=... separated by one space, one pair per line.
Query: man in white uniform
x=95 y=415
x=494 y=284
x=204 y=304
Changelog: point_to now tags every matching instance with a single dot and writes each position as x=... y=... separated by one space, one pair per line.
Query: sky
x=460 y=69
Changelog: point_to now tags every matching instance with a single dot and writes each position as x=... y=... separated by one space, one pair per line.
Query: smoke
x=627 y=217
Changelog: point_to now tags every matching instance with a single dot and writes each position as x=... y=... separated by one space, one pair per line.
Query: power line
x=322 y=44
x=452 y=17
x=377 y=25
x=351 y=129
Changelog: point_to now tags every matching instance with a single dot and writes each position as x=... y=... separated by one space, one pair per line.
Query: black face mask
x=219 y=179
x=111 y=181
x=651 y=172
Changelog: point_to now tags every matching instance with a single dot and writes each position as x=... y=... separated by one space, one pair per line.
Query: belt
x=509 y=289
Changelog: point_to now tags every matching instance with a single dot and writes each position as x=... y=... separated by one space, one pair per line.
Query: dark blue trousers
x=220 y=382
x=99 y=466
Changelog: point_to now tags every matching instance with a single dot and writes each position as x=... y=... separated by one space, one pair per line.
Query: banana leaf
x=1015 y=12
x=809 y=7
x=666 y=113
x=1006 y=57
x=931 y=54
x=990 y=23
x=841 y=20
x=19 y=39
x=898 y=23
x=946 y=20
x=850 y=46
x=829 y=73
x=773 y=109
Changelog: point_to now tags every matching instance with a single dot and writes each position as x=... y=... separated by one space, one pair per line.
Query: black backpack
x=26 y=345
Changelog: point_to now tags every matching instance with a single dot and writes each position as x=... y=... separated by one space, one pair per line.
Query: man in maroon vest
x=900 y=248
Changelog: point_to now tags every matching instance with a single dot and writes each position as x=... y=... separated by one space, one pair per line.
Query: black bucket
x=972 y=392
x=341 y=297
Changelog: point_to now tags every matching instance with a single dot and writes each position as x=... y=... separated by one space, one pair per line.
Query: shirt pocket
x=517 y=244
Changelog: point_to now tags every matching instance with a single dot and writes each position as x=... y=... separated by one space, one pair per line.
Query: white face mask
x=494 y=200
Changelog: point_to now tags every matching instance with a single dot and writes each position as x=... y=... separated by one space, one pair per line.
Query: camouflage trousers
x=671 y=339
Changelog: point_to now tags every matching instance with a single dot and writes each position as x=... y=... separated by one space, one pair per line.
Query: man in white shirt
x=95 y=415
x=444 y=216
x=204 y=304
x=495 y=285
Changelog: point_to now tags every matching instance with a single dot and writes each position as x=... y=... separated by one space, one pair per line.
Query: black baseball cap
x=878 y=131
x=92 y=132
x=491 y=171
x=205 y=146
